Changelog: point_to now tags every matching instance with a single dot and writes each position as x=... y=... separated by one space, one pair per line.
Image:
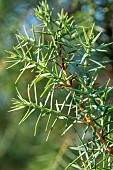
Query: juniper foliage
x=63 y=54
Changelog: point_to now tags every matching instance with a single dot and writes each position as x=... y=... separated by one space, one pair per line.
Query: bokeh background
x=19 y=149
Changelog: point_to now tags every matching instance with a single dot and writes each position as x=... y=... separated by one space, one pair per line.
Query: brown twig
x=92 y=125
x=63 y=68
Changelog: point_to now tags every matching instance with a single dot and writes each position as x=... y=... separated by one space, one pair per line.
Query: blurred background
x=19 y=149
